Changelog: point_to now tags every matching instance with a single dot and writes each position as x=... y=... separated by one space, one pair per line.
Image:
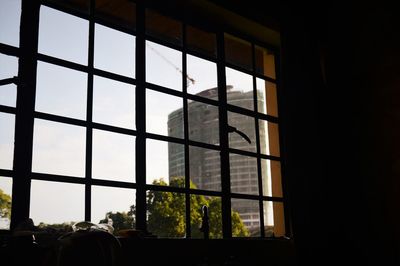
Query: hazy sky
x=60 y=148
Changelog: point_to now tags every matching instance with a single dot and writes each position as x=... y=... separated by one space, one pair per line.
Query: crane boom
x=172 y=64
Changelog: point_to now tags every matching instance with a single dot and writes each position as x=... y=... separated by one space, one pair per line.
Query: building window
x=139 y=120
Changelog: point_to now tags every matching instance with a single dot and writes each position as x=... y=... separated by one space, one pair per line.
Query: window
x=146 y=133
x=10 y=13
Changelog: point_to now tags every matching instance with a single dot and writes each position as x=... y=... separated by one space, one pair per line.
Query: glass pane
x=204 y=75
x=5 y=202
x=238 y=52
x=205 y=168
x=114 y=51
x=163 y=27
x=82 y=6
x=239 y=88
x=61 y=91
x=58 y=148
x=57 y=205
x=244 y=175
x=269 y=138
x=115 y=204
x=10 y=15
x=165 y=163
x=63 y=35
x=113 y=103
x=8 y=69
x=265 y=62
x=164 y=114
x=245 y=125
x=271 y=178
x=113 y=156
x=203 y=122
x=246 y=218
x=214 y=214
x=274 y=219
x=163 y=66
x=166 y=214
x=7 y=127
x=201 y=41
x=119 y=12
x=267 y=98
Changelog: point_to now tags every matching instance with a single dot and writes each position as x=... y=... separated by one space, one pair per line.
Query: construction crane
x=189 y=79
x=231 y=129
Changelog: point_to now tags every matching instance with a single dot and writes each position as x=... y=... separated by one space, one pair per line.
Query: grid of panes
x=255 y=164
x=83 y=162
x=182 y=126
x=86 y=141
x=10 y=13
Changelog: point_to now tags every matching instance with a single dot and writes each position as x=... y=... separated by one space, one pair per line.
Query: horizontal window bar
x=58 y=178
x=109 y=183
x=6 y=173
x=61 y=119
x=7 y=109
x=255 y=197
x=9 y=50
x=252 y=154
x=114 y=129
x=62 y=8
x=200 y=55
x=164 y=90
x=164 y=43
x=62 y=62
x=113 y=76
x=106 y=23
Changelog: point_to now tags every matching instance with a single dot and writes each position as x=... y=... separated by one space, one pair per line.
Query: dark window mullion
x=89 y=117
x=186 y=134
x=223 y=135
x=140 y=118
x=258 y=146
x=24 y=119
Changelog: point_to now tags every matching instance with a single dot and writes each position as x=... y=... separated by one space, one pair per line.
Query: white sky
x=60 y=148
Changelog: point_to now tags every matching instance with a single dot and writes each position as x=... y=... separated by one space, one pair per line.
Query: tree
x=5 y=205
x=56 y=228
x=120 y=220
x=166 y=211
x=166 y=214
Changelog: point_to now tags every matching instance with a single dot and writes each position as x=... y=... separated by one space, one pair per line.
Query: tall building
x=205 y=164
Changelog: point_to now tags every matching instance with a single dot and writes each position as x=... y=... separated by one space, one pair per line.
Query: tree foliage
x=56 y=228
x=166 y=214
x=5 y=205
x=120 y=220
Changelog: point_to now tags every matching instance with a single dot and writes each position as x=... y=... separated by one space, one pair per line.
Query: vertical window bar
x=89 y=115
x=223 y=136
x=258 y=143
x=140 y=118
x=186 y=132
x=26 y=89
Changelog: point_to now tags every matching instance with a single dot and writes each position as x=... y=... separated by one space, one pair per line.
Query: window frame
x=25 y=112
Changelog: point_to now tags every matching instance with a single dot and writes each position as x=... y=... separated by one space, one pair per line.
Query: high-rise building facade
x=205 y=164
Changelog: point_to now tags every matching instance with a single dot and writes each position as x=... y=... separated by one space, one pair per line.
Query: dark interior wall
x=376 y=80
x=342 y=135
x=345 y=199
